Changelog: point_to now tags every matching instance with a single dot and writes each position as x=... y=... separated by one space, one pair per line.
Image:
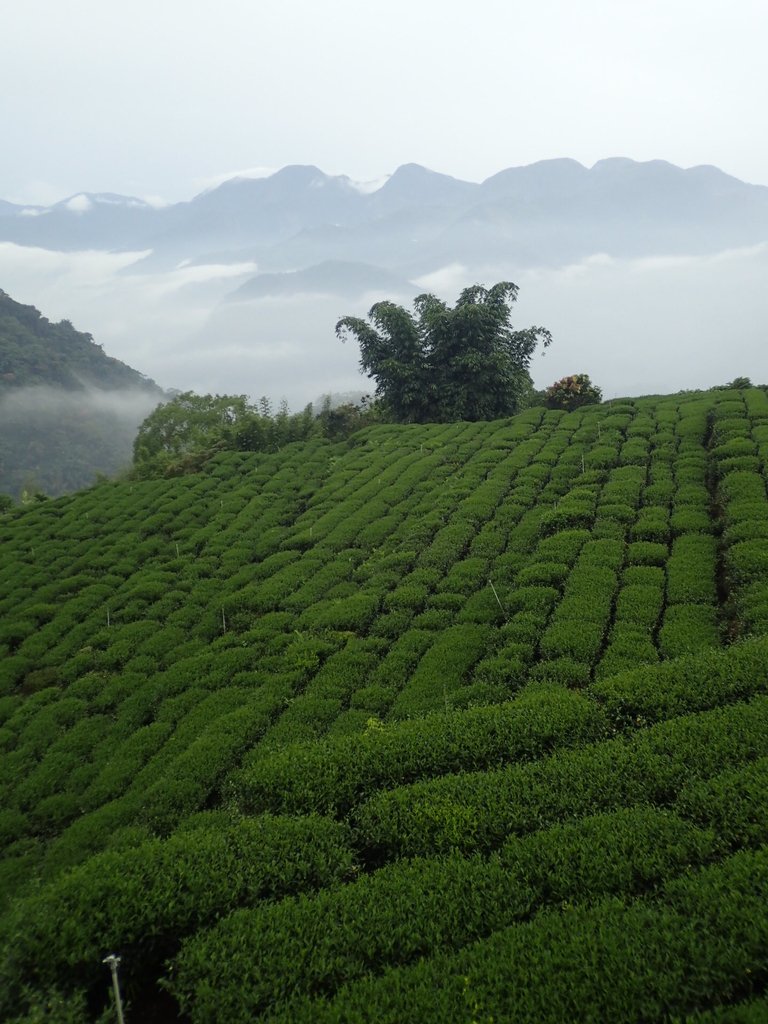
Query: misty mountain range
x=545 y=214
x=650 y=277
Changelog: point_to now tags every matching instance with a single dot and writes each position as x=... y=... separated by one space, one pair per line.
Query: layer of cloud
x=653 y=325
x=642 y=326
x=445 y=281
x=129 y=407
x=79 y=204
x=368 y=187
x=57 y=440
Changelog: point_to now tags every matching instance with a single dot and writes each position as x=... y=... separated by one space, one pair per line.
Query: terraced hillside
x=455 y=723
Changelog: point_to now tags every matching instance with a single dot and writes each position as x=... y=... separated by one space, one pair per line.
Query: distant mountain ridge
x=331 y=276
x=545 y=212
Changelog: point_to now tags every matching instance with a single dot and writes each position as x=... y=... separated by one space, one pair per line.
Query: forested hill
x=35 y=352
x=442 y=723
x=68 y=411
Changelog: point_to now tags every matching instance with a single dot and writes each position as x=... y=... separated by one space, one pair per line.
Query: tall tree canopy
x=444 y=363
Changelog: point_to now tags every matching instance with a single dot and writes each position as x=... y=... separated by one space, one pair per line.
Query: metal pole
x=113 y=961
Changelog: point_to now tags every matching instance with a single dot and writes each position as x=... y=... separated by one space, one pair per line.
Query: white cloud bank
x=79 y=204
x=640 y=326
x=653 y=325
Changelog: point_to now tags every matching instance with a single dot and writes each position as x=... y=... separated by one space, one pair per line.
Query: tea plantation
x=449 y=723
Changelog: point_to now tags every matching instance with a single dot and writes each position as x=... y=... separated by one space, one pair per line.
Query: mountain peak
x=540 y=177
x=412 y=170
x=414 y=184
x=304 y=174
x=622 y=164
x=418 y=173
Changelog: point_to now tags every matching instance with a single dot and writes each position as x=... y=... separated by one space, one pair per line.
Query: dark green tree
x=265 y=431
x=180 y=436
x=340 y=421
x=443 y=363
x=188 y=424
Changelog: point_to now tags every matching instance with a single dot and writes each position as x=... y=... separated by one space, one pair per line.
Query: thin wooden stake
x=498 y=602
x=113 y=962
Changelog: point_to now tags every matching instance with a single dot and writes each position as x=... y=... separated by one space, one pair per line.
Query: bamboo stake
x=113 y=962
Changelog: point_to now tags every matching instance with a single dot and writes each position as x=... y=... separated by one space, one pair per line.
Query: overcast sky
x=165 y=98
x=162 y=98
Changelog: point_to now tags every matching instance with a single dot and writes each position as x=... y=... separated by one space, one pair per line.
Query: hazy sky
x=161 y=98
x=164 y=98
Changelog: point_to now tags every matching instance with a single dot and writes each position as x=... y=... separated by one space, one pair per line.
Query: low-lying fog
x=57 y=441
x=636 y=326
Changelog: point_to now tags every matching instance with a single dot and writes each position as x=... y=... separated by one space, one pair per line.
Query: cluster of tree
x=438 y=364
x=181 y=435
x=444 y=363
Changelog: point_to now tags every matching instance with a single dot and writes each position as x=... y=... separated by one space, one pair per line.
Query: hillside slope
x=67 y=410
x=444 y=723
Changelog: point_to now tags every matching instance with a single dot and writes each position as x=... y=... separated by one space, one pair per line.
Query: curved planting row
x=142 y=900
x=333 y=776
x=478 y=810
x=257 y=959
x=492 y=653
x=741 y=471
x=701 y=942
